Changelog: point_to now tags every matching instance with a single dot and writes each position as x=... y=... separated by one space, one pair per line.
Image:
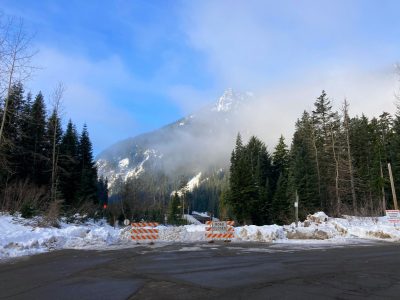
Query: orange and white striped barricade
x=144 y=231
x=220 y=230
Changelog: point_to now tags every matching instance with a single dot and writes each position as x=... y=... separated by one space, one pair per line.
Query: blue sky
x=133 y=66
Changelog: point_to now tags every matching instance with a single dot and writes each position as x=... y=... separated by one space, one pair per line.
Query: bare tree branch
x=15 y=64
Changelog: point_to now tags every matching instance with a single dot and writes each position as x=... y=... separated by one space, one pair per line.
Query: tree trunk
x=350 y=164
x=317 y=163
x=383 y=190
x=338 y=201
x=57 y=96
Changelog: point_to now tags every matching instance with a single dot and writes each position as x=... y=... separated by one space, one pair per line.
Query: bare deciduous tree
x=16 y=57
x=57 y=99
x=346 y=120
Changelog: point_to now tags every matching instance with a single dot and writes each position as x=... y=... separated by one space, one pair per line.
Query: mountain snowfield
x=22 y=237
x=186 y=147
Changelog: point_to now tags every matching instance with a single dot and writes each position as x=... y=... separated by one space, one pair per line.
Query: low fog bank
x=205 y=139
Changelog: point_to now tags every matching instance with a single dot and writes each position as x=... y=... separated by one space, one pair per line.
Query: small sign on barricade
x=393 y=216
x=220 y=230
x=144 y=231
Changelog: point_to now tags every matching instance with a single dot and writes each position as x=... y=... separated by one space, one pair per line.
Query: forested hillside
x=336 y=163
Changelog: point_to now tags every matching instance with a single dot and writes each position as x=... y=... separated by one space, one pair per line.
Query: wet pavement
x=203 y=271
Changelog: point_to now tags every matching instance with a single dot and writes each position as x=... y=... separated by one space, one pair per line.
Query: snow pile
x=321 y=227
x=24 y=237
x=266 y=233
x=21 y=237
x=186 y=233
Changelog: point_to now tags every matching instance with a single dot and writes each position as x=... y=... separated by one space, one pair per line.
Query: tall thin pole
x=393 y=189
x=383 y=191
x=296 y=209
x=183 y=206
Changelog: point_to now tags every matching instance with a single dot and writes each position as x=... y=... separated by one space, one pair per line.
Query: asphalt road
x=204 y=271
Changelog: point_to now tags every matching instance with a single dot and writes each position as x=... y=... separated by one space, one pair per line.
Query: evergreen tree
x=249 y=181
x=69 y=165
x=102 y=191
x=11 y=148
x=303 y=168
x=36 y=150
x=281 y=204
x=173 y=210
x=88 y=170
x=323 y=120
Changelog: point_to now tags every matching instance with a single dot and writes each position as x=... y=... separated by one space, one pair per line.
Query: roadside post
x=296 y=209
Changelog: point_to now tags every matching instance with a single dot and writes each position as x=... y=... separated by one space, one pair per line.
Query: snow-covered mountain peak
x=230 y=100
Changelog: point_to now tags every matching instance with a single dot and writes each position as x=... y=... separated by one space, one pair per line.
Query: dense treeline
x=143 y=198
x=42 y=165
x=336 y=163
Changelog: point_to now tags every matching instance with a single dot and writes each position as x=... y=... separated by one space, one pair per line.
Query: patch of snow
x=126 y=169
x=181 y=123
x=191 y=220
x=194 y=182
x=229 y=100
x=186 y=249
x=189 y=187
x=201 y=214
x=123 y=163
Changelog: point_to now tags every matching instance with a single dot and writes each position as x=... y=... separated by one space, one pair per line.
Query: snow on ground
x=24 y=237
x=191 y=220
x=201 y=214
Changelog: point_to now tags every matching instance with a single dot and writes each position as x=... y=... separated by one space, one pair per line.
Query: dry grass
x=18 y=195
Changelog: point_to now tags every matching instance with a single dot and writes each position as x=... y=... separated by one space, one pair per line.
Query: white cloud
x=89 y=86
x=287 y=53
x=276 y=108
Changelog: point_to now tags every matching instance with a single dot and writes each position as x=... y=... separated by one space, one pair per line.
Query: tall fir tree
x=69 y=165
x=11 y=147
x=36 y=132
x=88 y=170
x=249 y=182
x=323 y=121
x=281 y=203
x=303 y=172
